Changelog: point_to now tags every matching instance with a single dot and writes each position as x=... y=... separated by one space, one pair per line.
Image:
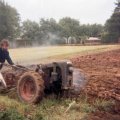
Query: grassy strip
x=50 y=109
x=41 y=54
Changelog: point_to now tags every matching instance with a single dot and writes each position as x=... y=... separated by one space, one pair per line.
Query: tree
x=112 y=26
x=70 y=27
x=9 y=21
x=117 y=9
x=30 y=30
x=96 y=30
x=49 y=25
x=93 y=30
x=51 y=31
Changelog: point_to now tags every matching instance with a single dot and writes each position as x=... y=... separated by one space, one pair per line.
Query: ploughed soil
x=103 y=75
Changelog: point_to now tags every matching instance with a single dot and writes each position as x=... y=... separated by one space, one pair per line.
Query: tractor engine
x=57 y=77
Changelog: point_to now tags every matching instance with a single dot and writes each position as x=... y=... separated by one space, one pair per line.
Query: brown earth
x=103 y=75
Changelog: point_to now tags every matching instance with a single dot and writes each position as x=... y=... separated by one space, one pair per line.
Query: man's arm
x=8 y=58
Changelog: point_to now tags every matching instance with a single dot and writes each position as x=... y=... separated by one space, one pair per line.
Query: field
x=42 y=54
x=99 y=100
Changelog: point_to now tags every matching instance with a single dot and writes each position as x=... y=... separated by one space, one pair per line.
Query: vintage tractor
x=35 y=81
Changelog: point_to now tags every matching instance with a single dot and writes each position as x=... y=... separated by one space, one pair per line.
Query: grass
x=48 y=109
x=42 y=54
x=104 y=105
x=11 y=114
x=51 y=109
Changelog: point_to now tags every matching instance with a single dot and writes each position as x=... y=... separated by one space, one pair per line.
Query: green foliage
x=49 y=25
x=47 y=31
x=11 y=114
x=70 y=27
x=109 y=37
x=112 y=27
x=93 y=30
x=9 y=21
x=30 y=30
x=51 y=31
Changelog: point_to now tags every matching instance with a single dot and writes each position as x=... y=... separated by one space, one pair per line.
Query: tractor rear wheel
x=30 y=87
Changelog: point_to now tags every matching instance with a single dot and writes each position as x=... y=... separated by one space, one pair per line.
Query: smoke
x=47 y=39
x=52 y=39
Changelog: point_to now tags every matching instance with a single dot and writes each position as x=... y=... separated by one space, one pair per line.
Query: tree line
x=49 y=30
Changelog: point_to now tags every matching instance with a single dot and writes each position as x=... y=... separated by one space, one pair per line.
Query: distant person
x=4 y=55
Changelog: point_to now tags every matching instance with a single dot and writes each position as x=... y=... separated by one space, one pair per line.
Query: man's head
x=4 y=44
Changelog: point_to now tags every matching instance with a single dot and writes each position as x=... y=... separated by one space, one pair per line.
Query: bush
x=110 y=38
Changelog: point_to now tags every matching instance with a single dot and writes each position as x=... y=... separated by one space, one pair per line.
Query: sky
x=86 y=11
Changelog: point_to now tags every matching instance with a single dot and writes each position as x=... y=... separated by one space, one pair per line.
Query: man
x=4 y=55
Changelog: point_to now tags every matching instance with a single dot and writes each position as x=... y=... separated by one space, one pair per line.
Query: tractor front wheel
x=30 y=87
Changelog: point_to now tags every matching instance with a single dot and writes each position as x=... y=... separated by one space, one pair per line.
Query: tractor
x=35 y=81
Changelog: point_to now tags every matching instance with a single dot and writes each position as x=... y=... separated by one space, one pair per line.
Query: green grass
x=11 y=114
x=51 y=109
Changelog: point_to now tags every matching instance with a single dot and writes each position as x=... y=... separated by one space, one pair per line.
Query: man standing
x=4 y=55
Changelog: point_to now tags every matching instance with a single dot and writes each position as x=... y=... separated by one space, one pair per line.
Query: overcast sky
x=86 y=11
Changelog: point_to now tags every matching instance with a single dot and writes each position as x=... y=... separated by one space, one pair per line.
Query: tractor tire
x=30 y=88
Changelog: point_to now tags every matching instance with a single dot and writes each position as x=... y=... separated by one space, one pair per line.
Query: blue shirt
x=4 y=55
